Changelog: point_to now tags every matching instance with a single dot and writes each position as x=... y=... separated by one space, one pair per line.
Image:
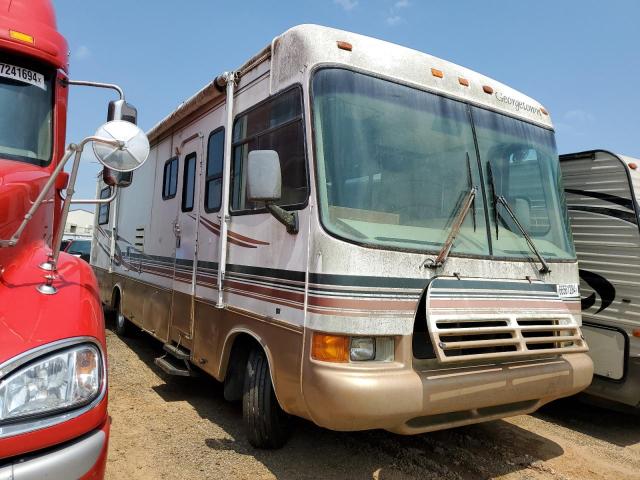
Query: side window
x=188 y=182
x=103 y=211
x=213 y=182
x=170 y=179
x=274 y=125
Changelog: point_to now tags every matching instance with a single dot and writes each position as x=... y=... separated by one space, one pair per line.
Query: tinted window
x=188 y=182
x=80 y=247
x=213 y=182
x=103 y=211
x=170 y=179
x=274 y=125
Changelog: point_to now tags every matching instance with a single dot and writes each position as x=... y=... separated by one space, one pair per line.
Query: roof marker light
x=23 y=37
x=487 y=89
x=633 y=166
x=463 y=81
x=544 y=110
x=437 y=73
x=636 y=333
x=344 y=45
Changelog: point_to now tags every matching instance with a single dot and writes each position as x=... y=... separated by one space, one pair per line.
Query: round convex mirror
x=128 y=157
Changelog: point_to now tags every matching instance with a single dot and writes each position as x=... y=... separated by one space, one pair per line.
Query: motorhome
x=356 y=233
x=602 y=190
x=54 y=421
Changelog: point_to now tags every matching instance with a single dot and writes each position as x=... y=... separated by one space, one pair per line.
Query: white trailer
x=355 y=233
x=603 y=191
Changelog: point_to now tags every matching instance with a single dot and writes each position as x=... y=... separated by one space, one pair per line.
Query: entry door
x=186 y=233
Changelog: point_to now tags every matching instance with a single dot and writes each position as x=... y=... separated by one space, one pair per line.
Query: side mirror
x=116 y=179
x=264 y=180
x=119 y=110
x=264 y=183
x=124 y=158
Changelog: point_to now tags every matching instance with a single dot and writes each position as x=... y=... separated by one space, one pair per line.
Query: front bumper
x=408 y=400
x=84 y=458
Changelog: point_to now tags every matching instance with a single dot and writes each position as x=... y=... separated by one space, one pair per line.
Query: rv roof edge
x=205 y=95
x=309 y=44
x=587 y=154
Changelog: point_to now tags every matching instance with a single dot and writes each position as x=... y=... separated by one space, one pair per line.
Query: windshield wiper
x=500 y=199
x=467 y=203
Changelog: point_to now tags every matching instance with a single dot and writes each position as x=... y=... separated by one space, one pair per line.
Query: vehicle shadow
x=604 y=423
x=474 y=452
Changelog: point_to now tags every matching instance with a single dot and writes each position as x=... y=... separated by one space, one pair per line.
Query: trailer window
x=213 y=181
x=274 y=125
x=188 y=182
x=170 y=179
x=103 y=211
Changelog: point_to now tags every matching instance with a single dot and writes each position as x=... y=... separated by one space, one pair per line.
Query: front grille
x=460 y=338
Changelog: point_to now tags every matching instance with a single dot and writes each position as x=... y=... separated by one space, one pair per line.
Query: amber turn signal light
x=330 y=348
x=23 y=37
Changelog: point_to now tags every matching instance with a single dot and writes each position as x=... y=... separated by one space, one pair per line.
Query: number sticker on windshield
x=22 y=75
x=567 y=290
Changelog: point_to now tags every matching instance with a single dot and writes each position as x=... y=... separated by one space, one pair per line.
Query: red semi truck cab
x=53 y=376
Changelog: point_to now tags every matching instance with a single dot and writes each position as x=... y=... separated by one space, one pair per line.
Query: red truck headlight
x=60 y=381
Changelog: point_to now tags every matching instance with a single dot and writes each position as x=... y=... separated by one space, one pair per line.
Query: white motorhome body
x=603 y=191
x=384 y=154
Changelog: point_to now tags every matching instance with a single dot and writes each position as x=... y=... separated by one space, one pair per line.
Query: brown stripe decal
x=367 y=305
x=234 y=238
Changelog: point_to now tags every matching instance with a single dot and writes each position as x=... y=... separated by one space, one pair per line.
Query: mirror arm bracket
x=288 y=219
x=98 y=201
x=84 y=83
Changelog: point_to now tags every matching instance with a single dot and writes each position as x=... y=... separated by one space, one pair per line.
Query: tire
x=267 y=425
x=123 y=326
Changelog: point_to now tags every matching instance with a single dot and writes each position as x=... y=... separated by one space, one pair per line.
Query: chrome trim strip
x=32 y=424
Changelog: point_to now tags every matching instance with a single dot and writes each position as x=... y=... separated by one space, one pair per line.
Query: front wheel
x=266 y=424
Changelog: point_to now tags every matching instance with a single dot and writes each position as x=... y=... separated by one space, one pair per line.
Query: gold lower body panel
x=406 y=398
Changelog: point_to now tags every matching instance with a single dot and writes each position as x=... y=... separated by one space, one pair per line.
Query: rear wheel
x=266 y=424
x=123 y=326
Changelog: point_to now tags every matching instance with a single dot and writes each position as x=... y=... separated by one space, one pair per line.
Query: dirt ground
x=181 y=428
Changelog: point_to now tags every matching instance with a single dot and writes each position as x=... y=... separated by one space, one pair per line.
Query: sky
x=579 y=58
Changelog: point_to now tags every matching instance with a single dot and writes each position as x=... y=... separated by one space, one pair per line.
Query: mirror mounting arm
x=288 y=219
x=98 y=201
x=85 y=83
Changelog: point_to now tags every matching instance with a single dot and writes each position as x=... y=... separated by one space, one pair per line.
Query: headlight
x=59 y=381
x=362 y=348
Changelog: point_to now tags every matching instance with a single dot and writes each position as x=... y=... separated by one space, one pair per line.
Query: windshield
x=26 y=103
x=395 y=163
x=523 y=162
